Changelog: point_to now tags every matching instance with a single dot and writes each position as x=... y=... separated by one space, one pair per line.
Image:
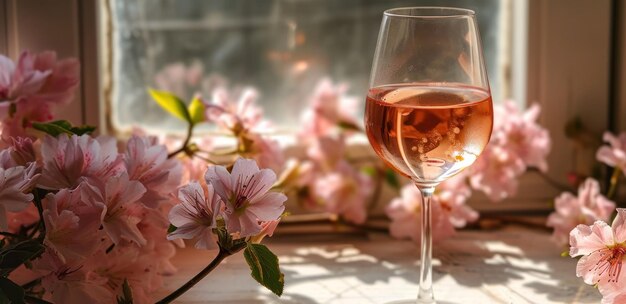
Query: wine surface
x=428 y=132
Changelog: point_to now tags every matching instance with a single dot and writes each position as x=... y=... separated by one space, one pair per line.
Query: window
x=283 y=48
x=550 y=57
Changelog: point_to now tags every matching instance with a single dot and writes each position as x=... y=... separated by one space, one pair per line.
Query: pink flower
x=268 y=229
x=344 y=191
x=264 y=150
x=520 y=134
x=329 y=107
x=615 y=154
x=180 y=79
x=69 y=160
x=72 y=221
x=15 y=182
x=236 y=113
x=119 y=196
x=20 y=80
x=131 y=264
x=147 y=162
x=588 y=207
x=195 y=216
x=70 y=282
x=496 y=171
x=22 y=150
x=614 y=293
x=245 y=195
x=327 y=151
x=448 y=212
x=34 y=86
x=603 y=251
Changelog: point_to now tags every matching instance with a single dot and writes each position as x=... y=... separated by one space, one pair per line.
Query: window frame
x=542 y=72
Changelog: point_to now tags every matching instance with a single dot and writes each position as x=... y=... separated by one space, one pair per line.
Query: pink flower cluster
x=571 y=211
x=590 y=205
x=236 y=112
x=31 y=87
x=105 y=213
x=602 y=252
x=517 y=143
x=240 y=199
x=331 y=182
x=449 y=212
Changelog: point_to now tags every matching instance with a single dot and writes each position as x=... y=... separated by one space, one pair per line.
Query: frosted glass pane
x=283 y=48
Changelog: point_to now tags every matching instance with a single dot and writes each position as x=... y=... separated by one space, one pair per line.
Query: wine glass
x=428 y=111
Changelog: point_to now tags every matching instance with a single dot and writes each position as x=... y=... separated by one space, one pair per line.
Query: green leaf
x=392 y=178
x=10 y=292
x=369 y=171
x=170 y=103
x=58 y=127
x=171 y=228
x=127 y=294
x=348 y=126
x=264 y=266
x=196 y=111
x=17 y=254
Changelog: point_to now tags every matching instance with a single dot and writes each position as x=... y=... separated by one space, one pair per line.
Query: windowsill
x=510 y=265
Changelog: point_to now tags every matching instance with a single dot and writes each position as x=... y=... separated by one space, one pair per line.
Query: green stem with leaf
x=614 y=182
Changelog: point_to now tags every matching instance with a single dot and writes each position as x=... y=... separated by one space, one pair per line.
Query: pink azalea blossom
x=266 y=151
x=344 y=191
x=195 y=216
x=268 y=229
x=236 y=113
x=602 y=249
x=180 y=79
x=614 y=293
x=329 y=107
x=72 y=222
x=496 y=171
x=147 y=162
x=448 y=212
x=119 y=196
x=327 y=151
x=571 y=211
x=69 y=160
x=245 y=195
x=613 y=155
x=23 y=150
x=15 y=183
x=70 y=282
x=522 y=135
x=131 y=264
x=34 y=85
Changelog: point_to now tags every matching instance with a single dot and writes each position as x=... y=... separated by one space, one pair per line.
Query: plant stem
x=42 y=225
x=614 y=183
x=31 y=299
x=203 y=273
x=185 y=143
x=551 y=181
x=9 y=234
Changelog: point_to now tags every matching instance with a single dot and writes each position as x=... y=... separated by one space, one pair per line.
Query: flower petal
x=583 y=240
x=269 y=207
x=619 y=226
x=219 y=178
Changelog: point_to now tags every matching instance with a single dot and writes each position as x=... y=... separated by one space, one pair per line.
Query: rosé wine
x=428 y=132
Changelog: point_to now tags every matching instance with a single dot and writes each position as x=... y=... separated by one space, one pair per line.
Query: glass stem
x=425 y=294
